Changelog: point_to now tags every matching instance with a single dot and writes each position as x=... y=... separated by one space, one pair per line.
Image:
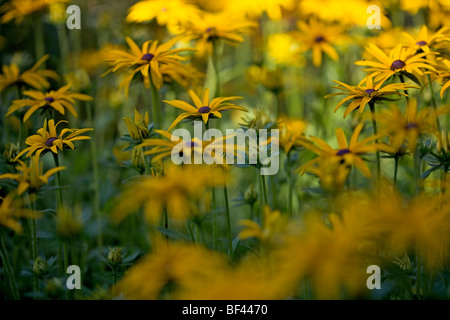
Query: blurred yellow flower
x=170 y=13
x=209 y=28
x=284 y=49
x=424 y=39
x=167 y=270
x=11 y=211
x=292 y=133
x=31 y=177
x=59 y=100
x=170 y=191
x=319 y=37
x=19 y=9
x=34 y=77
x=348 y=154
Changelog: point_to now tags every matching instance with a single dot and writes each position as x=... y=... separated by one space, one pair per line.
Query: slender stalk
x=291 y=185
x=95 y=173
x=39 y=41
x=156 y=107
x=433 y=102
x=396 y=158
x=216 y=65
x=375 y=132
x=8 y=268
x=63 y=48
x=60 y=203
x=263 y=183
x=402 y=79
x=227 y=211
x=213 y=200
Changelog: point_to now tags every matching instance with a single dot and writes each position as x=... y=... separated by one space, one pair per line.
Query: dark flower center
x=319 y=39
x=147 y=57
x=49 y=142
x=411 y=125
x=208 y=29
x=369 y=91
x=341 y=152
x=49 y=99
x=204 y=109
x=422 y=43
x=192 y=144
x=397 y=64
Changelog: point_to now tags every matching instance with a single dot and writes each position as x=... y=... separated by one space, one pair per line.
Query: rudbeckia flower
x=444 y=75
x=177 y=191
x=19 y=9
x=216 y=148
x=147 y=61
x=31 y=177
x=59 y=100
x=292 y=133
x=139 y=128
x=360 y=96
x=48 y=140
x=406 y=128
x=170 y=13
x=400 y=61
x=319 y=38
x=202 y=109
x=348 y=154
x=211 y=27
x=424 y=39
x=34 y=77
x=11 y=211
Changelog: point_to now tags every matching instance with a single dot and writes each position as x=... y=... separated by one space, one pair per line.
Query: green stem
x=227 y=211
x=375 y=132
x=263 y=182
x=396 y=158
x=63 y=48
x=95 y=175
x=9 y=270
x=39 y=41
x=433 y=101
x=216 y=65
x=402 y=79
x=291 y=184
x=60 y=203
x=156 y=107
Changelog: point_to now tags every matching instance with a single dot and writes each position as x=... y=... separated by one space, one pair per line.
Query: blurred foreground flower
x=19 y=9
x=11 y=211
x=34 y=77
x=31 y=177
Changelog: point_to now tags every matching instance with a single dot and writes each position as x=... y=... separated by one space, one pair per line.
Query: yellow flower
x=291 y=133
x=19 y=9
x=170 y=13
x=360 y=96
x=400 y=61
x=202 y=109
x=11 y=212
x=406 y=128
x=254 y=9
x=147 y=61
x=30 y=177
x=444 y=74
x=176 y=191
x=424 y=40
x=208 y=28
x=34 y=77
x=270 y=79
x=319 y=38
x=138 y=130
x=59 y=100
x=348 y=154
x=284 y=49
x=46 y=141
x=331 y=173
x=168 y=268
x=271 y=232
x=163 y=148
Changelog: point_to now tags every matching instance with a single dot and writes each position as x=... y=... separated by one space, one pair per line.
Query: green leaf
x=172 y=234
x=412 y=77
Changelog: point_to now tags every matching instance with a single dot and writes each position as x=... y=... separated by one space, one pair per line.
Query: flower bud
x=250 y=195
x=40 y=267
x=137 y=159
x=114 y=255
x=10 y=153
